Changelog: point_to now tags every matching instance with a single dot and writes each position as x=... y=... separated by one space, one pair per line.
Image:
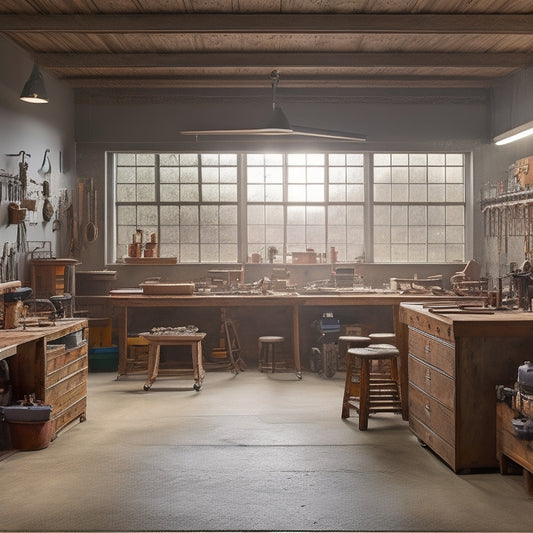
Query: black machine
x=520 y=398
x=324 y=359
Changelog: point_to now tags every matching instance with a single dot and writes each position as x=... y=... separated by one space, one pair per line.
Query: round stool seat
x=374 y=353
x=271 y=339
x=355 y=341
x=388 y=338
x=384 y=347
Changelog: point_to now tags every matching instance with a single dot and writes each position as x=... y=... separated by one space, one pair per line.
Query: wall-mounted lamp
x=34 y=90
x=515 y=134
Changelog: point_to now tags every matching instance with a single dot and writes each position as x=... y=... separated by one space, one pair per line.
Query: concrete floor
x=251 y=452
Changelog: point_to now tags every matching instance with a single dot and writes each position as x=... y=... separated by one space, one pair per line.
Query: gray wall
x=398 y=120
x=33 y=128
x=511 y=106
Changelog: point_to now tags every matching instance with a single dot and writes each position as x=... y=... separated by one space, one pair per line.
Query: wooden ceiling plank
x=277 y=23
x=283 y=59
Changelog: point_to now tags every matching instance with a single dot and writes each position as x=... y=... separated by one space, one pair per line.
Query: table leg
x=153 y=364
x=400 y=330
x=197 y=365
x=364 y=394
x=296 y=340
x=122 y=342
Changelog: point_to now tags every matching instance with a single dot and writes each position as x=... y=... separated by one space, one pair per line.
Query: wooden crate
x=137 y=359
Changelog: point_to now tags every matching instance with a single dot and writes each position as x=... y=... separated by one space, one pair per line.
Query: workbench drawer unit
x=65 y=387
x=454 y=363
x=432 y=392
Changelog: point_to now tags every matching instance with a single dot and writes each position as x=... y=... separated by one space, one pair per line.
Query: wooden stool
x=378 y=393
x=353 y=369
x=267 y=350
x=383 y=338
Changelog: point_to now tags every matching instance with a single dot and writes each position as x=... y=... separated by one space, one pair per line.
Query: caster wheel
x=196 y=387
x=147 y=387
x=299 y=375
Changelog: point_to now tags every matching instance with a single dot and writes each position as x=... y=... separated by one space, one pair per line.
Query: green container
x=103 y=359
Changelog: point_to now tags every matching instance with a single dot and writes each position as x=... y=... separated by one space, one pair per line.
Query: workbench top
x=11 y=338
x=494 y=323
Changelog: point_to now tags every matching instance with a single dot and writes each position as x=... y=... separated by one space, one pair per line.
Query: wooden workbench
x=452 y=365
x=41 y=364
x=126 y=299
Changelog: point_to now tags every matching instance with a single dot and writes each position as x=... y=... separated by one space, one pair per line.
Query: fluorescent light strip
x=515 y=134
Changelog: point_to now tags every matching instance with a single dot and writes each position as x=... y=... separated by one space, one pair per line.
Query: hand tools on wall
x=23 y=175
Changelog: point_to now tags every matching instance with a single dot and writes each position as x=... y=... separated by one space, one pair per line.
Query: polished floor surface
x=252 y=452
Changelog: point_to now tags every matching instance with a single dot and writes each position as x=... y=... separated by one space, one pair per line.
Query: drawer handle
x=428 y=375
x=427 y=408
x=427 y=348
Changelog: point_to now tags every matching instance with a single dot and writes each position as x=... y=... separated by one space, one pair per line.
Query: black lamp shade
x=34 y=90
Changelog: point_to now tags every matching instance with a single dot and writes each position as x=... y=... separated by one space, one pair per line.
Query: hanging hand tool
x=23 y=174
x=3 y=263
x=48 y=208
x=46 y=167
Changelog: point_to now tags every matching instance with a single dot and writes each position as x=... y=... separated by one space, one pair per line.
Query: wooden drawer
x=59 y=394
x=77 y=409
x=432 y=413
x=61 y=373
x=433 y=351
x=434 y=441
x=432 y=381
x=57 y=359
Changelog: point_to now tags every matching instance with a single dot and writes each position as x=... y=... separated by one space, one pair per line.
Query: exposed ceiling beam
x=272 y=23
x=301 y=59
x=261 y=82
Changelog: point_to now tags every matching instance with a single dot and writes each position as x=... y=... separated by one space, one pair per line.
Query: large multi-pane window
x=190 y=202
x=297 y=202
x=419 y=208
x=226 y=208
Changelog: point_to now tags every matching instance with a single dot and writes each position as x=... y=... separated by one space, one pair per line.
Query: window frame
x=111 y=251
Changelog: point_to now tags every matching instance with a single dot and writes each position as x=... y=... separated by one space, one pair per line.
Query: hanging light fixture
x=34 y=90
x=279 y=124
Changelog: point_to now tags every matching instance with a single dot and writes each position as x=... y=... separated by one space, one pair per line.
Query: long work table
x=125 y=299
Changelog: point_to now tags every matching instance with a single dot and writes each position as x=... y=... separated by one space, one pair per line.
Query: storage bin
x=27 y=413
x=30 y=426
x=100 y=332
x=104 y=359
x=137 y=360
x=29 y=436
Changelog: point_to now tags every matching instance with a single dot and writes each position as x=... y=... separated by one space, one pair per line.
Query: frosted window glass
x=382 y=193
x=125 y=193
x=125 y=159
x=189 y=193
x=125 y=175
x=145 y=193
x=147 y=215
x=188 y=234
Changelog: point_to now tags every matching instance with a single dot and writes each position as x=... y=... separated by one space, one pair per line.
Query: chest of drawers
x=454 y=364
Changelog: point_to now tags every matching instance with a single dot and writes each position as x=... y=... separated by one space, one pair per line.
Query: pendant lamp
x=34 y=90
